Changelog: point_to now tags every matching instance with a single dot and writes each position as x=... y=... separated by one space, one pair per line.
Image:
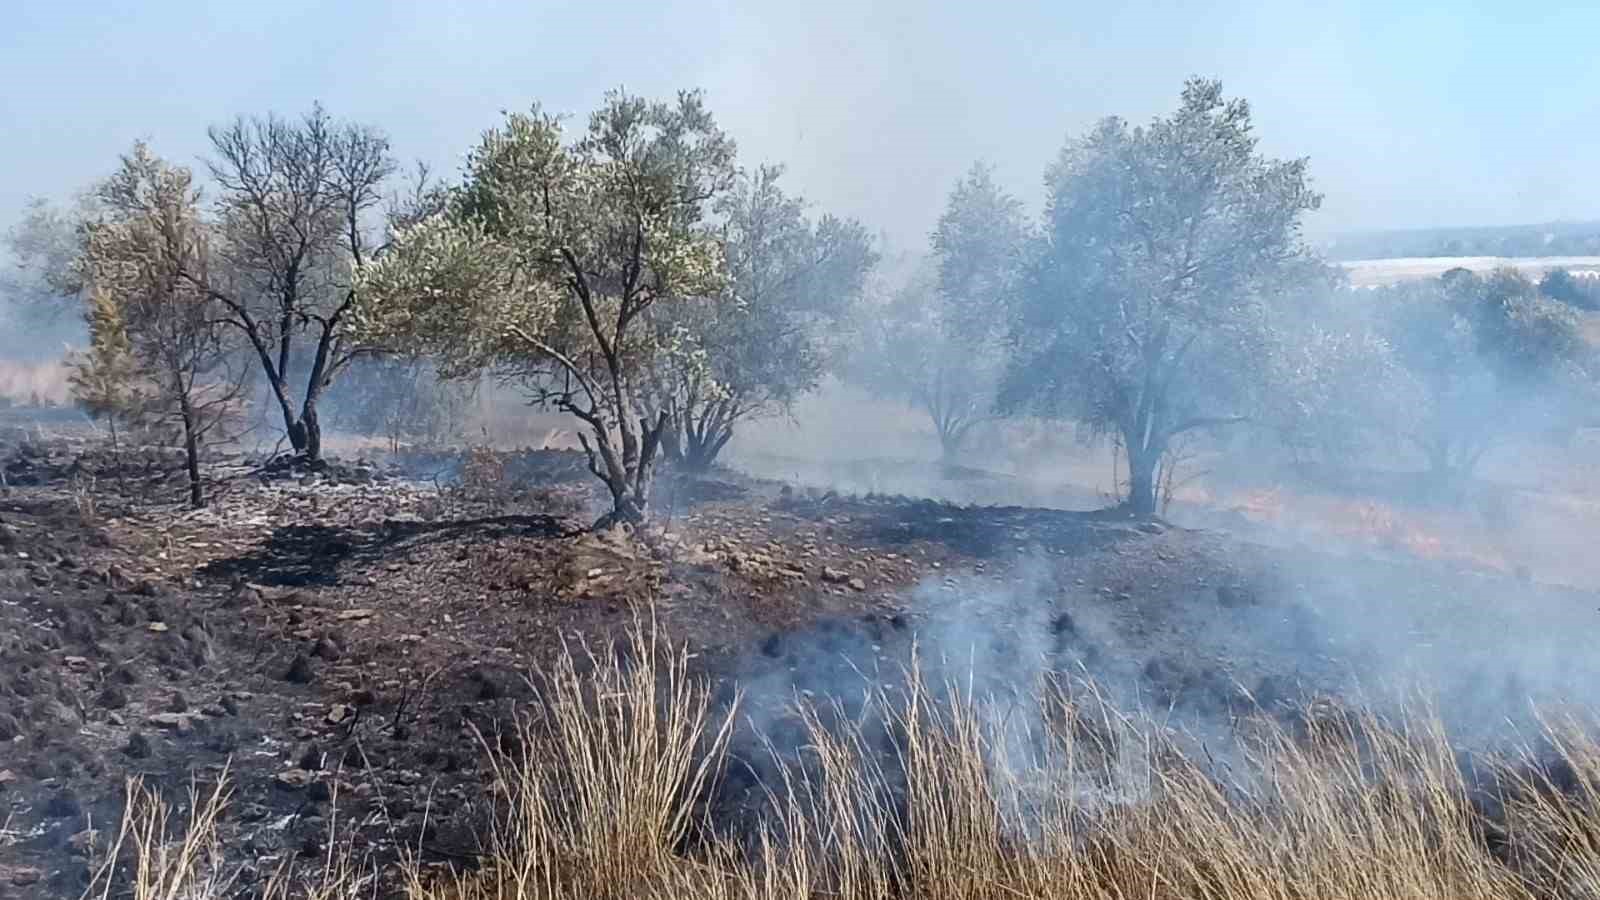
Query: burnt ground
x=343 y=640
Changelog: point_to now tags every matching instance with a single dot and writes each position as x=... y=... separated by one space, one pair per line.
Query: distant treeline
x=1553 y=239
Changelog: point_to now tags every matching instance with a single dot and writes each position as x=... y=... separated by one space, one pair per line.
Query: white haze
x=1411 y=116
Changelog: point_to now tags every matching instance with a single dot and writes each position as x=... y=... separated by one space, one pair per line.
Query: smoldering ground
x=1070 y=693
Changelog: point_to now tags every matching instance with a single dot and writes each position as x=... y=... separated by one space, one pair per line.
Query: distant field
x=1374 y=272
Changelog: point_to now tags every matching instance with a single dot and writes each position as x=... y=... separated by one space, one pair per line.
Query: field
x=859 y=674
x=1374 y=272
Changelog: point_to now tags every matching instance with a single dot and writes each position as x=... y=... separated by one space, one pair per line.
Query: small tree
x=107 y=380
x=135 y=262
x=912 y=350
x=548 y=259
x=294 y=204
x=1146 y=315
x=1560 y=285
x=768 y=340
x=939 y=341
x=1490 y=358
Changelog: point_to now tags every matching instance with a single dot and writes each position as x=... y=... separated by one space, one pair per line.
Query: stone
x=300 y=671
x=21 y=876
x=178 y=723
x=294 y=779
x=84 y=842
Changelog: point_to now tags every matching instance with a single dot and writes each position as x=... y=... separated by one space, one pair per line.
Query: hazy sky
x=1413 y=113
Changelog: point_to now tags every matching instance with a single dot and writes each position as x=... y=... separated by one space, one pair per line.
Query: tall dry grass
x=600 y=787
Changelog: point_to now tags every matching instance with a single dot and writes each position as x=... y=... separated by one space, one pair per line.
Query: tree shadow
x=317 y=555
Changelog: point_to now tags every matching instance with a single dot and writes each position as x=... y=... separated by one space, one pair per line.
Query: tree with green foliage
x=938 y=342
x=1490 y=357
x=1561 y=286
x=107 y=379
x=1165 y=245
x=769 y=338
x=152 y=323
x=548 y=259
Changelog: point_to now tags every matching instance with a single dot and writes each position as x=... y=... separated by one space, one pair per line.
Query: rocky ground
x=345 y=640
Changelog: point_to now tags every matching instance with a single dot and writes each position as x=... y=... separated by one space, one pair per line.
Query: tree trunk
x=629 y=476
x=311 y=428
x=296 y=430
x=704 y=448
x=950 y=440
x=191 y=450
x=1142 y=487
x=672 y=440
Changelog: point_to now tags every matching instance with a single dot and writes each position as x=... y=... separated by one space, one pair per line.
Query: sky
x=1413 y=114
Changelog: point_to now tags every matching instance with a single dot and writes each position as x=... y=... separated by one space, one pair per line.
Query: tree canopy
x=937 y=341
x=770 y=335
x=1164 y=245
x=549 y=255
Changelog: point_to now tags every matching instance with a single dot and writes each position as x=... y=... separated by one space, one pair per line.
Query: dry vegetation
x=597 y=792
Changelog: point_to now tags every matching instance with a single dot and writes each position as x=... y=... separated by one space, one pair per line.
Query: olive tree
x=548 y=258
x=938 y=341
x=161 y=352
x=294 y=209
x=769 y=338
x=1490 y=357
x=1165 y=245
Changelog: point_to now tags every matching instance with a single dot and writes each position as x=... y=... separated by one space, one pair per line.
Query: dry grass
x=598 y=794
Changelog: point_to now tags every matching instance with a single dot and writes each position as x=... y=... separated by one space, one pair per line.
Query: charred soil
x=350 y=640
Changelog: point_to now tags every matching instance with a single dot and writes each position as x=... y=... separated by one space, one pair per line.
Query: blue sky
x=1413 y=113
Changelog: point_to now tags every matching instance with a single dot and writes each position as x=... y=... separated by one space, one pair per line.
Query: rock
x=7 y=778
x=328 y=650
x=178 y=723
x=338 y=714
x=112 y=697
x=294 y=779
x=61 y=713
x=834 y=576
x=300 y=671
x=64 y=804
x=319 y=792
x=857 y=584
x=488 y=688
x=355 y=615
x=21 y=876
x=84 y=842
x=9 y=729
x=311 y=759
x=158 y=627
